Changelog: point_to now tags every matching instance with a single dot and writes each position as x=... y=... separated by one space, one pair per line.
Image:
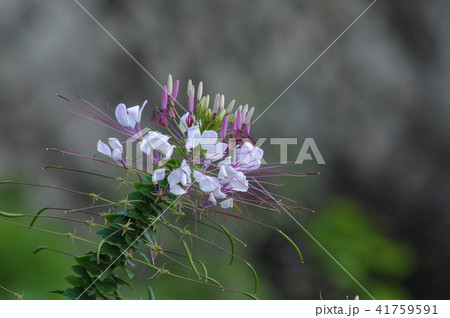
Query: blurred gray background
x=376 y=104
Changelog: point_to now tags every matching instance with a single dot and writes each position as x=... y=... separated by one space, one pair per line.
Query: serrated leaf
x=105 y=287
x=73 y=293
x=75 y=280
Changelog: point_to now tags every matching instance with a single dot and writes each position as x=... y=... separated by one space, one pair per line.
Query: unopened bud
x=200 y=91
x=222 y=102
x=230 y=106
x=244 y=111
x=216 y=103
x=249 y=115
x=169 y=85
x=189 y=87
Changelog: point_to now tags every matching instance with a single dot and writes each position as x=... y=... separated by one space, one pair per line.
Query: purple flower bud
x=233 y=126
x=223 y=130
x=175 y=90
x=238 y=119
x=191 y=102
x=247 y=129
x=164 y=99
x=189 y=120
x=170 y=112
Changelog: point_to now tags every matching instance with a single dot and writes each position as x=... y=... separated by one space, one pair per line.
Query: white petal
x=219 y=194
x=222 y=172
x=103 y=148
x=168 y=152
x=177 y=190
x=209 y=137
x=212 y=198
x=194 y=132
x=248 y=157
x=117 y=155
x=115 y=144
x=187 y=170
x=121 y=114
x=228 y=203
x=217 y=152
x=158 y=175
x=145 y=147
x=183 y=180
x=198 y=175
x=133 y=115
x=208 y=184
x=183 y=125
x=239 y=182
x=176 y=176
x=155 y=141
x=140 y=111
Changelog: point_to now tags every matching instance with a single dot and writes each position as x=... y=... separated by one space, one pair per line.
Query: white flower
x=158 y=175
x=157 y=141
x=129 y=117
x=183 y=124
x=193 y=139
x=207 y=183
x=214 y=150
x=231 y=177
x=228 y=203
x=207 y=141
x=116 y=146
x=179 y=176
x=248 y=157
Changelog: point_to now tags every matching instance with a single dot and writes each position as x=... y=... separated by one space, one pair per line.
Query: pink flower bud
x=223 y=130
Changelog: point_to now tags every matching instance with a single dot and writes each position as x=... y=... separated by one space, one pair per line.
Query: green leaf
x=75 y=281
x=90 y=265
x=129 y=274
x=110 y=235
x=107 y=286
x=87 y=279
x=120 y=281
x=57 y=291
x=143 y=256
x=112 y=217
x=112 y=250
x=74 y=293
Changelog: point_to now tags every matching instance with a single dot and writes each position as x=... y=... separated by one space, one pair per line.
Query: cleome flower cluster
x=207 y=165
x=205 y=154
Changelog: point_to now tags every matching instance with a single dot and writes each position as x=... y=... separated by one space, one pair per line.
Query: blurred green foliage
x=360 y=243
x=21 y=271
